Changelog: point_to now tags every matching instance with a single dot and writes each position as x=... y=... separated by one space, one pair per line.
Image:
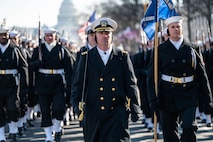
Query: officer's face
x=104 y=38
x=4 y=38
x=175 y=31
x=49 y=37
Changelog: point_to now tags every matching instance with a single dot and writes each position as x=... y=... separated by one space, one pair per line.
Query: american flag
x=81 y=31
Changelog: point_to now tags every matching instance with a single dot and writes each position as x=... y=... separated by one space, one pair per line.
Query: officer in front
x=53 y=70
x=106 y=75
x=180 y=71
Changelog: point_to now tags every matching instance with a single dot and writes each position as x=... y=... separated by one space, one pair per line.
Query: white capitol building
x=66 y=20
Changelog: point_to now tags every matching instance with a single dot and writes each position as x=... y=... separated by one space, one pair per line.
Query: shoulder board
x=124 y=52
x=84 y=53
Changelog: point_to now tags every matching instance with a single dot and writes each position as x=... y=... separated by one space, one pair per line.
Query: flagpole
x=156 y=68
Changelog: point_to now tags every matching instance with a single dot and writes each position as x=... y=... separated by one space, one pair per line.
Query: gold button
x=184 y=74
x=102 y=108
x=113 y=99
x=113 y=89
x=101 y=98
x=113 y=79
x=184 y=85
x=101 y=88
x=112 y=107
x=101 y=79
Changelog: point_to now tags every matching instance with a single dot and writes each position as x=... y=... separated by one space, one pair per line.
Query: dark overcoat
x=178 y=63
x=106 y=90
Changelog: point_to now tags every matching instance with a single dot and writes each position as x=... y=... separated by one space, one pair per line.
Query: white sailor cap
x=23 y=38
x=14 y=33
x=49 y=31
x=89 y=30
x=173 y=19
x=104 y=24
x=29 y=39
x=4 y=30
x=63 y=39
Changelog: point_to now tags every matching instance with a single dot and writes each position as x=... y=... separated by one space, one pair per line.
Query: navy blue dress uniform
x=14 y=38
x=140 y=63
x=208 y=59
x=180 y=72
x=107 y=88
x=52 y=82
x=12 y=82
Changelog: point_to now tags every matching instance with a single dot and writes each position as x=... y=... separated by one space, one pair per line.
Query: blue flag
x=92 y=17
x=165 y=10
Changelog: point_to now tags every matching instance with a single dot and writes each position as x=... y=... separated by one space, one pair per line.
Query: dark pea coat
x=106 y=90
x=179 y=63
x=11 y=84
x=140 y=63
x=57 y=58
x=52 y=88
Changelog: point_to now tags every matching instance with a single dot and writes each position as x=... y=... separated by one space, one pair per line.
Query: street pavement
x=73 y=133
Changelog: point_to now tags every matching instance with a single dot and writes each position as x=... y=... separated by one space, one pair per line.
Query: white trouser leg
x=20 y=122
x=56 y=125
x=2 y=133
x=48 y=133
x=13 y=129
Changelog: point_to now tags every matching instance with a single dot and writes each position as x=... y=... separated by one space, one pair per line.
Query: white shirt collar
x=89 y=46
x=50 y=46
x=107 y=52
x=104 y=54
x=4 y=47
x=178 y=43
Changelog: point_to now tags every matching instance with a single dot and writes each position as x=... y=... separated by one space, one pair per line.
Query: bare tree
x=193 y=8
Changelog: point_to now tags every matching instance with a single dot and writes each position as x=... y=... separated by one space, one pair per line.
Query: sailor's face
x=175 y=31
x=4 y=38
x=50 y=37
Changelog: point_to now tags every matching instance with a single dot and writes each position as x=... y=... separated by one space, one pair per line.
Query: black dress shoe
x=9 y=136
x=24 y=126
x=58 y=136
x=198 y=117
x=208 y=124
x=143 y=121
x=30 y=123
x=149 y=129
x=20 y=131
x=39 y=114
x=2 y=141
x=203 y=121
x=13 y=138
